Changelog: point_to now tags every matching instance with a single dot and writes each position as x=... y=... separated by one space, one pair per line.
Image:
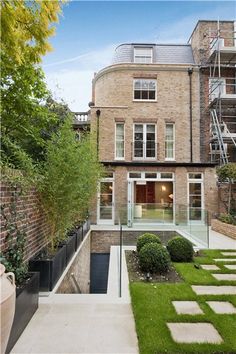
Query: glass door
x=195 y=201
x=106 y=202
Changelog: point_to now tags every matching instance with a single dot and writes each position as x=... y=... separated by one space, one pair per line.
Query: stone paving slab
x=210 y=267
x=194 y=333
x=225 y=259
x=187 y=308
x=222 y=307
x=228 y=253
x=214 y=290
x=230 y=266
x=224 y=276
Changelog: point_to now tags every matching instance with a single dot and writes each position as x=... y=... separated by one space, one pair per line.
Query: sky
x=89 y=31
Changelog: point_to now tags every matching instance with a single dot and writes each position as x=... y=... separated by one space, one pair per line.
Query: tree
x=70 y=176
x=227 y=173
x=26 y=27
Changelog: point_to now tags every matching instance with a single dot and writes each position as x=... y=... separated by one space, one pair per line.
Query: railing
x=220 y=39
x=144 y=150
x=82 y=117
x=192 y=220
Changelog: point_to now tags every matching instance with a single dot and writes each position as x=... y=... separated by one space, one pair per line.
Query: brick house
x=149 y=110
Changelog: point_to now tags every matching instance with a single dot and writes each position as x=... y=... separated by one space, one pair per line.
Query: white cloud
x=71 y=79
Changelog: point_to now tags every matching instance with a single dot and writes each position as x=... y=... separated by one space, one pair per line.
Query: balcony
x=81 y=118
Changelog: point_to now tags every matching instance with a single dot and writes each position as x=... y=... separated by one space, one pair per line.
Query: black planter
x=70 y=246
x=79 y=236
x=50 y=269
x=26 y=305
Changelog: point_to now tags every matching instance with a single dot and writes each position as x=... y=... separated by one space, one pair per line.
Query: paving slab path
x=187 y=308
x=194 y=333
x=210 y=267
x=228 y=253
x=222 y=307
x=225 y=276
x=225 y=259
x=214 y=290
x=230 y=266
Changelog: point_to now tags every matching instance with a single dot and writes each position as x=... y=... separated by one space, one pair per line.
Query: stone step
x=222 y=307
x=225 y=259
x=228 y=253
x=214 y=290
x=194 y=333
x=230 y=266
x=225 y=276
x=210 y=267
x=187 y=308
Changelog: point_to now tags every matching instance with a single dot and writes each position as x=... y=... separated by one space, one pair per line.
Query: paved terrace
x=71 y=323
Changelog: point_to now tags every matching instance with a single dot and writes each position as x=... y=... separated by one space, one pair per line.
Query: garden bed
x=136 y=274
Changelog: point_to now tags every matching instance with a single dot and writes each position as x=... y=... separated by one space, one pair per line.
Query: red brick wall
x=29 y=218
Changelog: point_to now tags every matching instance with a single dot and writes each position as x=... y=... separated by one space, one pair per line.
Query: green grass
x=152 y=309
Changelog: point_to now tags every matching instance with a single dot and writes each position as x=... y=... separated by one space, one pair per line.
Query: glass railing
x=190 y=221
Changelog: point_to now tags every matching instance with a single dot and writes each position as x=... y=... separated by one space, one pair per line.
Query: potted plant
x=70 y=174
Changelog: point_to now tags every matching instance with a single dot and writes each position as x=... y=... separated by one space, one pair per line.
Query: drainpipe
x=98 y=113
x=190 y=72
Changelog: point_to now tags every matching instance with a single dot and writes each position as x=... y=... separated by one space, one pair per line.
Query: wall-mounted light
x=163 y=188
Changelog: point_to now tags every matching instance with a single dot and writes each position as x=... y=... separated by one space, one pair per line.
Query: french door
x=106 y=202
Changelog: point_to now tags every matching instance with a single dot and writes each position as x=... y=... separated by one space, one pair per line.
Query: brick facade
x=113 y=97
x=30 y=218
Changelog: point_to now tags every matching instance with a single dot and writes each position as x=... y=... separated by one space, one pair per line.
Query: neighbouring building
x=165 y=117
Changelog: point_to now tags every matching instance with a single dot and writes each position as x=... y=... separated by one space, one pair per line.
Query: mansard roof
x=162 y=53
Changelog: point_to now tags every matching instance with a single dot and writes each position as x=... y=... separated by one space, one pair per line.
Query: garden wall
x=24 y=212
x=101 y=241
x=223 y=228
x=81 y=270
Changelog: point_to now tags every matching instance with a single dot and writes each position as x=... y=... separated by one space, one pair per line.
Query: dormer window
x=143 y=55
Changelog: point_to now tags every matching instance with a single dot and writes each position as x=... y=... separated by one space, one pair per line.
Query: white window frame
x=110 y=179
x=144 y=57
x=144 y=142
x=170 y=158
x=201 y=181
x=144 y=100
x=117 y=157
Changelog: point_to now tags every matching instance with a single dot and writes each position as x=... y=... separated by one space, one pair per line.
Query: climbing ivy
x=13 y=256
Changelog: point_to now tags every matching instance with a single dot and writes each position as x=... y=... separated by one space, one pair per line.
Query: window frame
x=146 y=99
x=170 y=158
x=144 y=157
x=136 y=48
x=117 y=157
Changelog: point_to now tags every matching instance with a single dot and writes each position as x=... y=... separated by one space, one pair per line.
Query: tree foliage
x=227 y=173
x=26 y=27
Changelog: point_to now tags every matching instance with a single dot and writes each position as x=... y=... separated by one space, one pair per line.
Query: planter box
x=70 y=246
x=225 y=229
x=79 y=236
x=50 y=269
x=26 y=305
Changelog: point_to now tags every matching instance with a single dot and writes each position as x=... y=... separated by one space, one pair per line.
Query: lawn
x=152 y=309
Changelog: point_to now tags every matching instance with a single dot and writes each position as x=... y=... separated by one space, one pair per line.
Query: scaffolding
x=222 y=95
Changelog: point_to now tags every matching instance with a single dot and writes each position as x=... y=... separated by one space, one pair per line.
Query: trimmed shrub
x=154 y=258
x=147 y=238
x=180 y=249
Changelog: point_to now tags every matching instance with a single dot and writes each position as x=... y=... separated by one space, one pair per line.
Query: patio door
x=106 y=202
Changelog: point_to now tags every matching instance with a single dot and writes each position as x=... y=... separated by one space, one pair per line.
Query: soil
x=137 y=275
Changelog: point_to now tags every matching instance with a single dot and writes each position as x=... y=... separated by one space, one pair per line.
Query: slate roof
x=162 y=53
